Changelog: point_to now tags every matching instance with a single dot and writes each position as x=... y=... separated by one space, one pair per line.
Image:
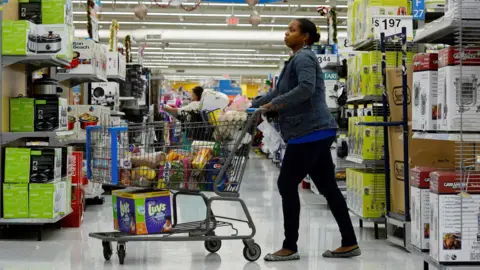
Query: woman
x=309 y=130
x=197 y=92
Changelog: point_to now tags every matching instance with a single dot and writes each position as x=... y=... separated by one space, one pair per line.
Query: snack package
x=202 y=157
x=213 y=169
x=176 y=154
x=239 y=103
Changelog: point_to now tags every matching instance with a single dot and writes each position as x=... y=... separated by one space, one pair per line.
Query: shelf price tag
x=392 y=25
x=327 y=59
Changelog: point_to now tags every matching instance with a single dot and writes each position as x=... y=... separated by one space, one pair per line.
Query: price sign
x=392 y=25
x=327 y=59
x=419 y=10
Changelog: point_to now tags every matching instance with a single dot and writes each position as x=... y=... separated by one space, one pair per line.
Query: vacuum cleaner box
x=18 y=37
x=458 y=90
x=55 y=39
x=454 y=229
x=425 y=92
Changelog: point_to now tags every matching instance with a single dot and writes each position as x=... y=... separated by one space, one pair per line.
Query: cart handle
x=256 y=110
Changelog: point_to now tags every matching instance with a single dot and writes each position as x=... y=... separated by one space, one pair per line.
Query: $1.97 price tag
x=392 y=25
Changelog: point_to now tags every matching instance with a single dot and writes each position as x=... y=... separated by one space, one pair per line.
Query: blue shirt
x=314 y=136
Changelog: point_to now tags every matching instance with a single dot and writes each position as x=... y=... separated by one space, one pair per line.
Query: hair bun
x=316 y=38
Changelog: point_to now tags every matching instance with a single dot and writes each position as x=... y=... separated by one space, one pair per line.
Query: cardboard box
x=18 y=37
x=65 y=193
x=51 y=113
x=55 y=39
x=46 y=165
x=144 y=213
x=84 y=54
x=15 y=200
x=422 y=153
x=44 y=200
x=425 y=92
x=370 y=139
x=72 y=117
x=57 y=12
x=454 y=230
x=395 y=92
x=88 y=115
x=366 y=192
x=17 y=165
x=22 y=114
x=459 y=97
x=75 y=169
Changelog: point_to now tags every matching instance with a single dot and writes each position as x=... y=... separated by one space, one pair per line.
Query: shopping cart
x=187 y=158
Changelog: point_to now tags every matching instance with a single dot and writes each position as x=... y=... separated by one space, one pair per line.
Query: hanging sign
x=392 y=25
x=419 y=10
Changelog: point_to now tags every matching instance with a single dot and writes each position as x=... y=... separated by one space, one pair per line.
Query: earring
x=305 y=45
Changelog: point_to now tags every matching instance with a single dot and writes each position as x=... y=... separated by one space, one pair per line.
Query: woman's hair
x=308 y=27
x=198 y=90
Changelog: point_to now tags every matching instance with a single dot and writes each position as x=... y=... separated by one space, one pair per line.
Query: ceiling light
x=195 y=49
x=214 y=54
x=213 y=4
x=169 y=57
x=216 y=65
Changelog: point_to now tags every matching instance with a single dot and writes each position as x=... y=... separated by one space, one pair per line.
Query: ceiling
x=200 y=43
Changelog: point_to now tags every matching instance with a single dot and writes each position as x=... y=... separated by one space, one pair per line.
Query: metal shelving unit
x=363 y=98
x=115 y=78
x=375 y=221
x=35 y=61
x=76 y=79
x=366 y=162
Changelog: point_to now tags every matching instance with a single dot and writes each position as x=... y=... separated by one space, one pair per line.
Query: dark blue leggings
x=314 y=159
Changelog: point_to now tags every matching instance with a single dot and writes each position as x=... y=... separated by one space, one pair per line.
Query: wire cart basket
x=183 y=158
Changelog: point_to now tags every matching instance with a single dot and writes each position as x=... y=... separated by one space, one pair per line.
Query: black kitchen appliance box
x=45 y=165
x=51 y=113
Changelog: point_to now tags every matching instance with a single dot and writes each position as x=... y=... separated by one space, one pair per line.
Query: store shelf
x=361 y=161
x=443 y=30
x=126 y=98
x=94 y=195
x=395 y=224
x=76 y=79
x=115 y=78
x=367 y=98
x=32 y=221
x=427 y=259
x=36 y=62
x=374 y=45
x=447 y=136
x=374 y=220
x=8 y=137
x=117 y=113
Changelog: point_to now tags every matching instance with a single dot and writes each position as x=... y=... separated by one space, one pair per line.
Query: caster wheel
x=107 y=250
x=122 y=252
x=252 y=255
x=213 y=245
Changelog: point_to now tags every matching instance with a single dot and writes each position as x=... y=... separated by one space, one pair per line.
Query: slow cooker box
x=53 y=39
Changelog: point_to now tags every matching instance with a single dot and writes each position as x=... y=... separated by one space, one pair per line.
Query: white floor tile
x=74 y=249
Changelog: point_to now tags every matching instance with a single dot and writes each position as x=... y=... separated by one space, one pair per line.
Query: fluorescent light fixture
x=156 y=66
x=171 y=62
x=214 y=65
x=189 y=14
x=210 y=4
x=195 y=49
x=214 y=54
x=169 y=57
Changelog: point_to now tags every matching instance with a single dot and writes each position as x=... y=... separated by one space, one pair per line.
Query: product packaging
x=425 y=92
x=65 y=194
x=72 y=117
x=15 y=200
x=88 y=115
x=45 y=165
x=30 y=11
x=140 y=212
x=458 y=90
x=366 y=191
x=84 y=56
x=454 y=224
x=370 y=139
x=17 y=165
x=74 y=220
x=44 y=200
x=22 y=114
x=18 y=37
x=57 y=12
x=54 y=39
x=363 y=66
x=51 y=113
x=395 y=92
x=116 y=65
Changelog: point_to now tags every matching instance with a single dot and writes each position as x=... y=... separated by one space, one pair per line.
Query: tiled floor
x=74 y=249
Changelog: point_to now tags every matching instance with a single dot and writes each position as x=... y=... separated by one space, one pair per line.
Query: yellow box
x=363 y=67
x=371 y=144
x=372 y=194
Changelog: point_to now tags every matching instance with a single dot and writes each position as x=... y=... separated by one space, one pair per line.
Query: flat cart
x=185 y=158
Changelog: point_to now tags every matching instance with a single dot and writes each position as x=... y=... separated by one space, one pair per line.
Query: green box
x=17 y=165
x=57 y=12
x=22 y=114
x=44 y=200
x=15 y=200
x=15 y=37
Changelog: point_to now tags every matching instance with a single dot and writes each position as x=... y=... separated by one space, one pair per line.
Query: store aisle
x=73 y=249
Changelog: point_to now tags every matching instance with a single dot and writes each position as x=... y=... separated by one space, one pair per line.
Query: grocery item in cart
x=202 y=157
x=141 y=212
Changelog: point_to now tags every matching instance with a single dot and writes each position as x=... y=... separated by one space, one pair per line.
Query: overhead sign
x=419 y=10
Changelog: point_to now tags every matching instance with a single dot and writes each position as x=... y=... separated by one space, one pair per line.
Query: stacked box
x=366 y=193
x=370 y=139
x=425 y=92
x=363 y=68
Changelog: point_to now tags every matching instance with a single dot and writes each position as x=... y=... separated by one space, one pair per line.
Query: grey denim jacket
x=300 y=95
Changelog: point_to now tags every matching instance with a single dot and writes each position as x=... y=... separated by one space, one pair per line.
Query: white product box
x=57 y=169
x=88 y=115
x=122 y=66
x=54 y=39
x=458 y=98
x=425 y=92
x=105 y=93
x=454 y=230
x=84 y=51
x=61 y=196
x=106 y=116
x=101 y=64
x=116 y=65
x=420 y=207
x=72 y=115
x=465 y=9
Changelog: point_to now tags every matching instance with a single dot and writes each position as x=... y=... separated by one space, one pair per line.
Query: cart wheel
x=253 y=254
x=121 y=253
x=107 y=250
x=213 y=245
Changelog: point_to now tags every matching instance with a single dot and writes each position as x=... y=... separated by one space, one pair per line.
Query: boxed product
x=395 y=92
x=75 y=168
x=370 y=139
x=54 y=39
x=140 y=212
x=425 y=92
x=30 y=11
x=44 y=200
x=393 y=59
x=366 y=192
x=465 y=9
x=101 y=55
x=51 y=113
x=72 y=115
x=45 y=165
x=84 y=55
x=15 y=200
x=65 y=194
x=372 y=8
x=351 y=23
x=94 y=8
x=458 y=90
x=116 y=64
x=363 y=68
x=420 y=206
x=22 y=114
x=18 y=37
x=455 y=219
x=57 y=12
x=88 y=115
x=352 y=63
x=67 y=153
x=77 y=204
x=17 y=165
